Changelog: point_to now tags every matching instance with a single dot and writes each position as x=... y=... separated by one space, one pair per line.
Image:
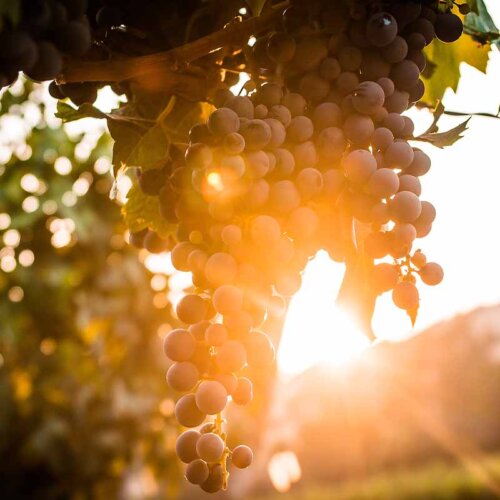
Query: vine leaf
x=68 y=113
x=256 y=6
x=442 y=139
x=444 y=68
x=479 y=24
x=141 y=211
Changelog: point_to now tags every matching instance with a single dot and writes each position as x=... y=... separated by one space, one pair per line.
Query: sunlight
x=316 y=330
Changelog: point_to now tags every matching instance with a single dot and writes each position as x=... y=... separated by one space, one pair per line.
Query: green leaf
x=479 y=24
x=10 y=10
x=142 y=211
x=256 y=6
x=68 y=113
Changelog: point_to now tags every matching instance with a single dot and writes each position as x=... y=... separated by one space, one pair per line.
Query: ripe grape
x=313 y=87
x=192 y=309
x=399 y=154
x=220 y=269
x=350 y=58
x=278 y=133
x=383 y=183
x=257 y=134
x=281 y=113
x=243 y=393
x=309 y=182
x=187 y=412
x=269 y=94
x=419 y=259
x=234 y=144
x=227 y=299
x=397 y=102
x=405 y=206
x=211 y=397
x=309 y=52
x=396 y=51
x=281 y=47
x=382 y=138
x=420 y=165
x=260 y=350
x=199 y=156
x=179 y=345
x=241 y=105
x=284 y=196
x=231 y=356
x=431 y=273
x=376 y=245
x=185 y=446
x=368 y=97
x=215 y=480
x=223 y=121
x=358 y=128
x=410 y=183
x=210 y=447
x=295 y=103
x=405 y=295
x=405 y=74
x=182 y=376
x=301 y=129
x=448 y=27
x=197 y=471
x=359 y=166
x=330 y=69
x=242 y=456
x=302 y=223
x=331 y=144
x=385 y=277
x=216 y=334
x=381 y=29
x=326 y=114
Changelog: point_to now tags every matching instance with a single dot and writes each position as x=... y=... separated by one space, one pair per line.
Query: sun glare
x=316 y=331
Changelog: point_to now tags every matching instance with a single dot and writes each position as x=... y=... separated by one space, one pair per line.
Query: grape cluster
x=319 y=148
x=47 y=31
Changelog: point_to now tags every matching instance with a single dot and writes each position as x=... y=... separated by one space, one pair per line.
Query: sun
x=316 y=331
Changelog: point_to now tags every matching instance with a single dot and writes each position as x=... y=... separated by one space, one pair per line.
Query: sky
x=464 y=186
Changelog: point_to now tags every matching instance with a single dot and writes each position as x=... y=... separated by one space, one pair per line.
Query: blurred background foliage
x=83 y=412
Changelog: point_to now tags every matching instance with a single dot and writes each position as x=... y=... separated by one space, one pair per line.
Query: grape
x=347 y=82
x=49 y=63
x=281 y=113
x=227 y=299
x=234 y=144
x=404 y=235
x=395 y=123
x=223 y=121
x=211 y=397
x=180 y=254
x=301 y=129
x=374 y=66
x=330 y=69
x=257 y=164
x=357 y=34
x=243 y=393
x=80 y=93
x=73 y=38
x=333 y=183
x=405 y=12
x=427 y=214
x=261 y=111
x=191 y=309
x=154 y=243
x=216 y=334
x=187 y=412
x=359 y=165
x=368 y=96
x=424 y=27
x=259 y=56
x=220 y=269
x=376 y=245
x=405 y=74
x=431 y=273
x=379 y=214
x=258 y=194
x=326 y=114
x=18 y=50
x=179 y=345
x=417 y=57
x=241 y=105
x=242 y=456
x=305 y=154
x=278 y=133
x=285 y=163
x=185 y=446
x=358 y=128
x=399 y=154
x=405 y=296
x=416 y=41
x=387 y=85
x=257 y=134
x=231 y=234
x=182 y=376
x=269 y=94
x=309 y=52
x=197 y=471
x=215 y=480
x=417 y=92
x=331 y=144
x=385 y=277
x=420 y=165
x=284 y=196
x=295 y=103
x=210 y=447
x=350 y=58
x=382 y=138
x=231 y=356
x=198 y=329
x=265 y=230
x=408 y=128
x=410 y=183
x=260 y=350
x=309 y=182
x=383 y=183
x=448 y=27
x=397 y=102
x=396 y=51
x=281 y=47
x=405 y=206
x=199 y=156
x=381 y=29
x=419 y=259
x=238 y=323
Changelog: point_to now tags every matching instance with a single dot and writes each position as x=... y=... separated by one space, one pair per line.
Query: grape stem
x=170 y=61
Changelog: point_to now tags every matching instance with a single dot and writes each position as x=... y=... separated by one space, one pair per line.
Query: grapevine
x=314 y=153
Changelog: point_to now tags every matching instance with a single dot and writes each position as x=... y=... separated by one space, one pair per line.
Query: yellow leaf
x=445 y=58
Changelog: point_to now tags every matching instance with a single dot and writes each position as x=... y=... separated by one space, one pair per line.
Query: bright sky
x=464 y=186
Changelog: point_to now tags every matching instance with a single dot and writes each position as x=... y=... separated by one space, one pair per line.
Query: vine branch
x=114 y=70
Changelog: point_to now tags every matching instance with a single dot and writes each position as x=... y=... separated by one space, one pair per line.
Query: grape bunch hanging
x=316 y=156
